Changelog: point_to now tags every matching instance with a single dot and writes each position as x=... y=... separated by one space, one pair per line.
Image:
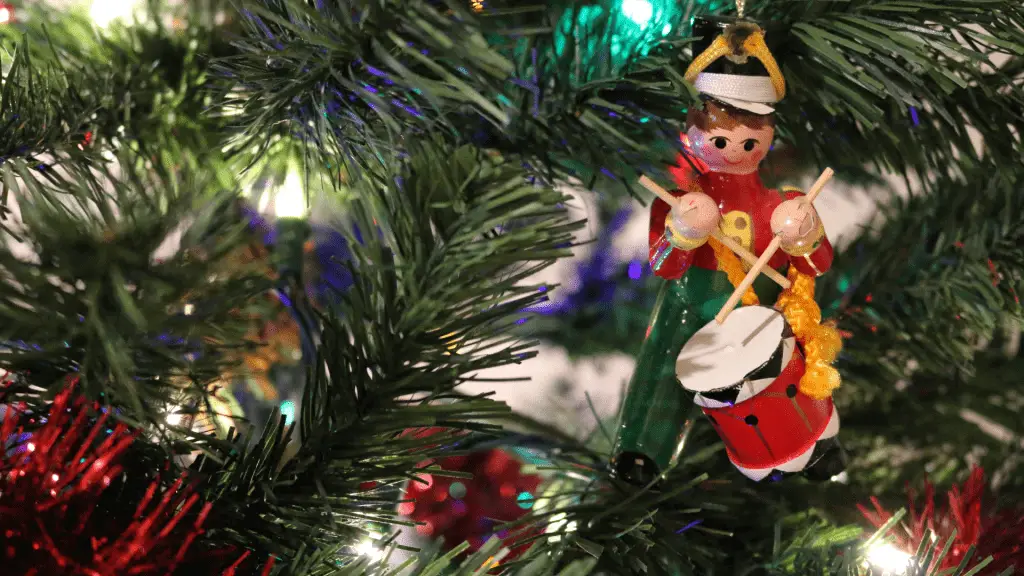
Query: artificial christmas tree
x=443 y=137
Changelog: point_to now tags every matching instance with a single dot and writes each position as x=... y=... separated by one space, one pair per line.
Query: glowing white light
x=889 y=559
x=189 y=309
x=264 y=203
x=841 y=478
x=5 y=14
x=173 y=419
x=290 y=198
x=105 y=12
x=639 y=11
x=369 y=549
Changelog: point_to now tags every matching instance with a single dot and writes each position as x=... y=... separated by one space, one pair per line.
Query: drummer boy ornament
x=768 y=370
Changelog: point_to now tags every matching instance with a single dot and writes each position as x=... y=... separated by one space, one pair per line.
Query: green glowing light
x=457 y=490
x=525 y=500
x=288 y=411
x=607 y=40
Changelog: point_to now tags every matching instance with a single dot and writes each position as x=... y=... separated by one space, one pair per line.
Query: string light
x=286 y=199
x=173 y=419
x=639 y=11
x=369 y=549
x=106 y=12
x=524 y=500
x=290 y=199
x=477 y=5
x=6 y=13
x=889 y=559
x=288 y=411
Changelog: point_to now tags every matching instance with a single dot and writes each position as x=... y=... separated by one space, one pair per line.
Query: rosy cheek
x=761 y=151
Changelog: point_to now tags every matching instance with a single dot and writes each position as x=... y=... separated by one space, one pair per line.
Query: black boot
x=831 y=462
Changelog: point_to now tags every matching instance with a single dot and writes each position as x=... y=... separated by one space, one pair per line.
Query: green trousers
x=656 y=405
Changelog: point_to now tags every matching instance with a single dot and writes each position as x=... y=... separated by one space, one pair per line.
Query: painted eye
x=719 y=142
x=748 y=145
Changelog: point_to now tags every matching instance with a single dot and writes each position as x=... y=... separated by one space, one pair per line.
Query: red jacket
x=746 y=207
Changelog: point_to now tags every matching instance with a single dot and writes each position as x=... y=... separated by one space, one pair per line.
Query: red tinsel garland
x=52 y=481
x=999 y=534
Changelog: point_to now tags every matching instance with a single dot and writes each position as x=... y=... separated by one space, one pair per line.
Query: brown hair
x=714 y=115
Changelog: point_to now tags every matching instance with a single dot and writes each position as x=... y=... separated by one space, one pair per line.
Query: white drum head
x=719 y=356
x=749 y=388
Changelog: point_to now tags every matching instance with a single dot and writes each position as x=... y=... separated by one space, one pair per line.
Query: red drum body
x=778 y=428
x=745 y=378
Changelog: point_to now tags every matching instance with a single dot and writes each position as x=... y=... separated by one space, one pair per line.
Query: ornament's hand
x=797 y=224
x=694 y=217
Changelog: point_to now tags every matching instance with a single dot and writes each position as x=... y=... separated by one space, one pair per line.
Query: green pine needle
x=91 y=300
x=365 y=389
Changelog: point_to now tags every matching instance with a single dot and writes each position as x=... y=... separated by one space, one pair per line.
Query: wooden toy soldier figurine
x=720 y=201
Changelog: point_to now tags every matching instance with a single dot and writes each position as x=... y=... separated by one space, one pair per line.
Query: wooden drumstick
x=659 y=191
x=819 y=185
x=729 y=243
x=756 y=269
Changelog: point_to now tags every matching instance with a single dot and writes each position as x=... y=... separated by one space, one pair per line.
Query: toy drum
x=745 y=376
x=725 y=364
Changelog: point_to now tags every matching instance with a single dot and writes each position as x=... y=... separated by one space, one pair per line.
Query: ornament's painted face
x=735 y=150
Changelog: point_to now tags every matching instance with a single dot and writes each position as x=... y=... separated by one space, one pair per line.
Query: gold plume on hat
x=737 y=43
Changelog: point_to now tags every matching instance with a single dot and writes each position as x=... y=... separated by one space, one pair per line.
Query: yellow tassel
x=730 y=264
x=756 y=47
x=821 y=342
x=718 y=48
x=819 y=381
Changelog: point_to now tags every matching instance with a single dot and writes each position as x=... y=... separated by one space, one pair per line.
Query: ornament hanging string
x=740 y=6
